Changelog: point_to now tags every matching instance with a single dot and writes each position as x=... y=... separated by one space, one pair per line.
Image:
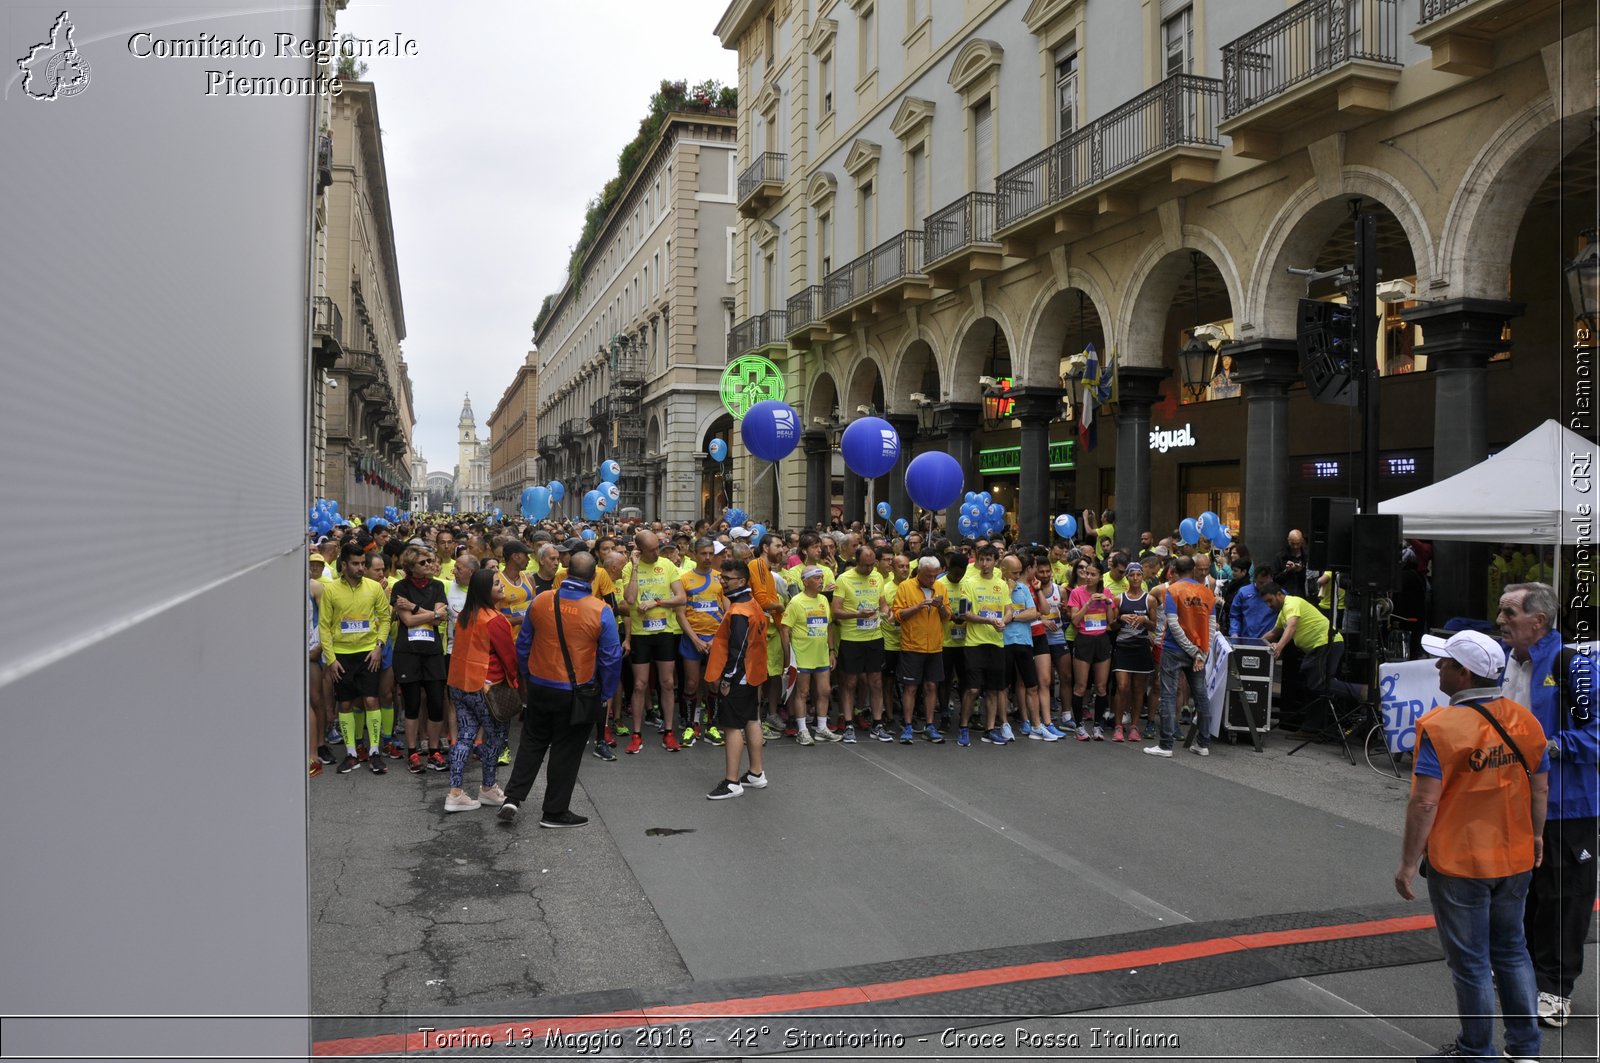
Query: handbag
x=586 y=698
x=505 y=703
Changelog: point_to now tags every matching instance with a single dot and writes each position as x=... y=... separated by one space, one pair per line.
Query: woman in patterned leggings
x=483 y=654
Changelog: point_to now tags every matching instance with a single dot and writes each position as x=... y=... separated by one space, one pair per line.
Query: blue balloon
x=996 y=513
x=1222 y=540
x=610 y=471
x=557 y=489
x=971 y=496
x=1210 y=525
x=871 y=447
x=604 y=504
x=587 y=535
x=376 y=522
x=983 y=496
x=770 y=430
x=536 y=503
x=973 y=510
x=967 y=527
x=718 y=450
x=883 y=510
x=735 y=515
x=610 y=492
x=1066 y=525
x=1189 y=531
x=757 y=532
x=902 y=526
x=933 y=479
x=591 y=506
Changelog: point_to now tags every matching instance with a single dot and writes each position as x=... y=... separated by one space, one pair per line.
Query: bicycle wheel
x=1378 y=757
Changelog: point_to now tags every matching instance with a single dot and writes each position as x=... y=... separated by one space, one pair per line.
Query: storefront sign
x=1002 y=460
x=1164 y=440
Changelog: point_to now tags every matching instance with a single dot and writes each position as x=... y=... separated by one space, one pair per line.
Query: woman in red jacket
x=482 y=654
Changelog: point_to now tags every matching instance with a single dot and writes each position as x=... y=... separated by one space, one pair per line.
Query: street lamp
x=1197 y=360
x=925 y=416
x=1583 y=283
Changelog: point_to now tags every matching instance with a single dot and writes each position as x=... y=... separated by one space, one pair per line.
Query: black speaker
x=1325 y=336
x=1329 y=546
x=1375 y=552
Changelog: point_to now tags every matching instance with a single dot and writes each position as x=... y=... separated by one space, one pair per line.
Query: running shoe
x=349 y=764
x=1134 y=735
x=462 y=802
x=1052 y=729
x=1082 y=733
x=397 y=750
x=508 y=813
x=325 y=755
x=823 y=734
x=849 y=736
x=917 y=726
x=623 y=729
x=315 y=769
x=690 y=736
x=377 y=765
x=437 y=761
x=562 y=819
x=932 y=734
x=610 y=738
x=505 y=756
x=753 y=782
x=724 y=790
x=770 y=733
x=1006 y=733
x=804 y=738
x=670 y=741
x=491 y=795
x=881 y=734
x=993 y=737
x=906 y=734
x=1068 y=723
x=1045 y=735
x=1199 y=750
x=1157 y=751
x=963 y=739
x=333 y=737
x=714 y=736
x=414 y=763
x=1116 y=734
x=1027 y=730
x=635 y=743
x=1554 y=1010
x=791 y=731
x=1099 y=733
x=361 y=752
x=603 y=751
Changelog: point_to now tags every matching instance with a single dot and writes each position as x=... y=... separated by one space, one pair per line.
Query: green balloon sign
x=749 y=380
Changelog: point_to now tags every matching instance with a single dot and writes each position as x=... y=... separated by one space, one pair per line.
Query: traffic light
x=1329 y=362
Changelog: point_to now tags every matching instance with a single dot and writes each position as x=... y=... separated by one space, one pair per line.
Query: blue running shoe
x=931 y=733
x=905 y=735
x=963 y=739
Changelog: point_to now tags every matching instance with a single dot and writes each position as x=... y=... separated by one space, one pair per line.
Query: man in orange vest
x=592 y=662
x=736 y=669
x=1478 y=798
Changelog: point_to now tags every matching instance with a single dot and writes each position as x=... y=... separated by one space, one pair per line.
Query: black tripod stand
x=1344 y=712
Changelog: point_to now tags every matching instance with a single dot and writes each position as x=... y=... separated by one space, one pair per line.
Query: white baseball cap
x=739 y=533
x=1472 y=650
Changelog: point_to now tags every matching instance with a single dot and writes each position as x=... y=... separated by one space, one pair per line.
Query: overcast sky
x=495 y=137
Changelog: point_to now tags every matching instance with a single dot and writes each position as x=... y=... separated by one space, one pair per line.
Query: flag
x=1099 y=388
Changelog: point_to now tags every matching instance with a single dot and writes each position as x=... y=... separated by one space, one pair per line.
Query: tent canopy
x=1530 y=492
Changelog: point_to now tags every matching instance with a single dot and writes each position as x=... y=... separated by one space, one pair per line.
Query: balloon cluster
x=1206 y=526
x=606 y=497
x=981 y=516
x=324 y=514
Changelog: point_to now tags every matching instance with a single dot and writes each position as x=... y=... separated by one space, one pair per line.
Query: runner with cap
x=700 y=617
x=807 y=637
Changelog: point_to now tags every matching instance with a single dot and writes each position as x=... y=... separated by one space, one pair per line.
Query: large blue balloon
x=871 y=447
x=902 y=526
x=536 y=503
x=610 y=471
x=933 y=479
x=1189 y=531
x=718 y=450
x=770 y=430
x=1210 y=525
x=1066 y=525
x=756 y=532
x=610 y=492
x=591 y=506
x=558 y=490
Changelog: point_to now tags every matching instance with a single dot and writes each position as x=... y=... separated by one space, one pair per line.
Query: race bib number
x=655 y=623
x=354 y=627
x=420 y=634
x=989 y=614
x=869 y=623
x=705 y=607
x=958 y=634
x=1094 y=625
x=817 y=626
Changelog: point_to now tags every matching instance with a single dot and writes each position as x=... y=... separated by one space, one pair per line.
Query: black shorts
x=955 y=665
x=918 y=668
x=860 y=658
x=737 y=708
x=649 y=649
x=1091 y=649
x=418 y=668
x=1019 y=665
x=357 y=681
x=1059 y=650
x=986 y=668
x=891 y=662
x=1041 y=645
x=1133 y=656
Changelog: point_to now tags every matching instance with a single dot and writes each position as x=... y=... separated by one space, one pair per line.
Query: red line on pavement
x=845 y=996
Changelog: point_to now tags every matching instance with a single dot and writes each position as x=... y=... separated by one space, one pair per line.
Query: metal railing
x=1179 y=111
x=897 y=257
x=327 y=319
x=805 y=307
x=600 y=409
x=573 y=427
x=753 y=333
x=548 y=443
x=1309 y=39
x=967 y=221
x=1428 y=10
x=769 y=166
x=627 y=369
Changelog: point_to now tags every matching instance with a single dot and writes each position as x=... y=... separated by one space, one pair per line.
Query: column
x=1138 y=388
x=1266 y=368
x=652 y=502
x=894 y=485
x=957 y=421
x=818 y=488
x=1460 y=336
x=1036 y=408
x=855 y=497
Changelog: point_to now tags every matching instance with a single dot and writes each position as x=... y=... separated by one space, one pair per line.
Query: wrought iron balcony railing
x=1178 y=112
x=967 y=221
x=897 y=257
x=770 y=167
x=1309 y=39
x=327 y=319
x=549 y=443
x=754 y=333
x=805 y=307
x=1434 y=9
x=600 y=410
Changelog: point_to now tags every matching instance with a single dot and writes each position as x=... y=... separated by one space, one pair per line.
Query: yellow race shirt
x=989 y=598
x=891 y=629
x=806 y=617
x=706 y=602
x=518 y=596
x=793 y=575
x=1115 y=587
x=955 y=635
x=1060 y=572
x=655 y=584
x=352 y=619
x=855 y=591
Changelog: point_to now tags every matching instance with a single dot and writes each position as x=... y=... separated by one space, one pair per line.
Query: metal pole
x=1366 y=298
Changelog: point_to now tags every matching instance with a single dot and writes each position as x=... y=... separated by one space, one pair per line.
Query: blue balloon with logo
x=883 y=510
x=1210 y=525
x=590 y=506
x=756 y=532
x=770 y=430
x=983 y=496
x=902 y=526
x=1222 y=540
x=537 y=504
x=967 y=527
x=1189 y=531
x=971 y=496
x=871 y=447
x=587 y=535
x=610 y=492
x=996 y=513
x=610 y=471
x=1066 y=525
x=557 y=489
x=718 y=450
x=933 y=480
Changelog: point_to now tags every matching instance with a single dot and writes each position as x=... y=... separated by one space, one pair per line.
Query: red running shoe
x=611 y=738
x=437 y=762
x=636 y=743
x=315 y=770
x=414 y=764
x=670 y=740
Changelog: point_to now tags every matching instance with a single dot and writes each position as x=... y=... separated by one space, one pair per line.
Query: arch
x=1141 y=320
x=652 y=435
x=1049 y=319
x=711 y=423
x=1299 y=231
x=969 y=353
x=975 y=59
x=867 y=386
x=821 y=398
x=1481 y=225
x=916 y=357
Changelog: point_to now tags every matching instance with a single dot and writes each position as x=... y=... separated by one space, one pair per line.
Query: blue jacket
x=1249 y=616
x=1575 y=775
x=608 y=656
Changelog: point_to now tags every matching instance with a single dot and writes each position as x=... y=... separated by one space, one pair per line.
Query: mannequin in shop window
x=1223 y=386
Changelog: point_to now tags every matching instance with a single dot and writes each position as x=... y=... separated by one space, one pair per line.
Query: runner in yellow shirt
x=652 y=587
x=807 y=635
x=353 y=620
x=986 y=606
x=858 y=609
x=699 y=617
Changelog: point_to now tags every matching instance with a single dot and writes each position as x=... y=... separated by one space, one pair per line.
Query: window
x=770 y=40
x=825 y=82
x=1177 y=35
x=918 y=165
x=868 y=202
x=661 y=204
x=729 y=251
x=768 y=280
x=868 y=25
x=1066 y=91
x=824 y=246
x=657 y=260
x=982 y=145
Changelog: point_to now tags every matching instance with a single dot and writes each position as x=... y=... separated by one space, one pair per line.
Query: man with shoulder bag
x=569 y=651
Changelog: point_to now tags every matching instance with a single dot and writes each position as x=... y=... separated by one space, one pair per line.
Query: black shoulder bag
x=585 y=698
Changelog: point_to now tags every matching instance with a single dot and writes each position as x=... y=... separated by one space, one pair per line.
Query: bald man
x=653 y=591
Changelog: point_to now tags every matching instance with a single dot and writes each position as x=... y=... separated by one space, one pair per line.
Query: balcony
x=572 y=429
x=359 y=365
x=627 y=371
x=757 y=334
x=1165 y=135
x=958 y=241
x=549 y=443
x=327 y=332
x=1461 y=33
x=879 y=282
x=805 y=323
x=324 y=161
x=761 y=183
x=600 y=411
x=1318 y=60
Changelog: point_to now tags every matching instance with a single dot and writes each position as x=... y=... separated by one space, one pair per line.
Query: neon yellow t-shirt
x=989 y=598
x=891 y=630
x=807 y=616
x=655 y=584
x=1312 y=631
x=855 y=591
x=955 y=635
x=793 y=575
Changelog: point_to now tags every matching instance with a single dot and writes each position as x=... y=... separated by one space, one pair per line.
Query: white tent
x=1530 y=492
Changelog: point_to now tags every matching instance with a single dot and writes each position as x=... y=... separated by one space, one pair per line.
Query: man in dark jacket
x=1289 y=570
